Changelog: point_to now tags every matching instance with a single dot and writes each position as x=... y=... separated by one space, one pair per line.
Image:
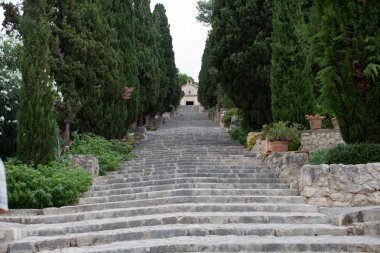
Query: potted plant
x=280 y=135
x=265 y=143
x=315 y=121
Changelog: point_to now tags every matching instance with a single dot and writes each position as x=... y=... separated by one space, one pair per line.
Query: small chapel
x=190 y=90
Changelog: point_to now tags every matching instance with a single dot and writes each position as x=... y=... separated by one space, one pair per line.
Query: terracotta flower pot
x=335 y=123
x=315 y=121
x=280 y=146
x=265 y=147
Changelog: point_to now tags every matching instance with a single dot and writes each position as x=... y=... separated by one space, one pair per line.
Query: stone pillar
x=140 y=134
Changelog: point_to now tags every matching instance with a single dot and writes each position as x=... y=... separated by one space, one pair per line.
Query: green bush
x=348 y=154
x=239 y=135
x=52 y=185
x=109 y=153
x=295 y=144
x=319 y=157
x=228 y=116
x=354 y=154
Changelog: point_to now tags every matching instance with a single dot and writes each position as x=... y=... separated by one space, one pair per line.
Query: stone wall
x=313 y=140
x=288 y=165
x=341 y=185
x=88 y=162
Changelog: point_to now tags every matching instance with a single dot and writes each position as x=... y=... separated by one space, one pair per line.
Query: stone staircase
x=189 y=189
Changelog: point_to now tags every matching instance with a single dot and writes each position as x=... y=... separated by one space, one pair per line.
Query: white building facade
x=191 y=94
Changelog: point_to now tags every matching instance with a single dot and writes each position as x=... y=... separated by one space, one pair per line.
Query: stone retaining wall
x=288 y=165
x=334 y=185
x=341 y=185
x=313 y=140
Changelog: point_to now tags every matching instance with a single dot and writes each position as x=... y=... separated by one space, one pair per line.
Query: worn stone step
x=55 y=215
x=254 y=183
x=182 y=199
x=214 y=176
x=167 y=221
x=49 y=242
x=231 y=194
x=203 y=188
x=236 y=244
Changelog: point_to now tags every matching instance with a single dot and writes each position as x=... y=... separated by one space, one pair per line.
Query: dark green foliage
x=10 y=82
x=242 y=54
x=291 y=86
x=240 y=135
x=52 y=185
x=148 y=57
x=349 y=43
x=170 y=90
x=109 y=153
x=204 y=8
x=349 y=154
x=37 y=127
x=121 y=17
x=208 y=84
x=295 y=144
x=102 y=110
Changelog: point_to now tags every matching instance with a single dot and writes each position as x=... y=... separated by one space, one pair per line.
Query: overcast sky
x=189 y=36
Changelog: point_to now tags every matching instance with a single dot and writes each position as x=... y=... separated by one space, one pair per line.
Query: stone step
x=232 y=194
x=173 y=220
x=254 y=183
x=50 y=242
x=55 y=215
x=190 y=187
x=232 y=243
x=182 y=199
x=219 y=176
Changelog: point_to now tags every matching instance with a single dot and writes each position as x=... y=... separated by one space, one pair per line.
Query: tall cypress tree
x=242 y=55
x=121 y=17
x=37 y=128
x=208 y=84
x=349 y=40
x=291 y=85
x=170 y=91
x=148 y=61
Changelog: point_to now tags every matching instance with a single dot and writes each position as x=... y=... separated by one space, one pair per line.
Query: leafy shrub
x=353 y=154
x=228 y=116
x=239 y=135
x=52 y=185
x=109 y=153
x=251 y=141
x=319 y=157
x=295 y=144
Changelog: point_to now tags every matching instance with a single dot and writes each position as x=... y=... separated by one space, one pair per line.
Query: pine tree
x=148 y=63
x=349 y=40
x=291 y=85
x=170 y=90
x=37 y=127
x=242 y=55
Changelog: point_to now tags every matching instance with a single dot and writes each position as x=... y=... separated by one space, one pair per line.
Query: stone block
x=87 y=162
x=313 y=140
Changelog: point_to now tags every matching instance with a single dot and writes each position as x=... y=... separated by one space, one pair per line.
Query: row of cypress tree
x=79 y=57
x=280 y=60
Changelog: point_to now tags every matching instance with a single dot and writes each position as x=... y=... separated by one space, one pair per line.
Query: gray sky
x=189 y=36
